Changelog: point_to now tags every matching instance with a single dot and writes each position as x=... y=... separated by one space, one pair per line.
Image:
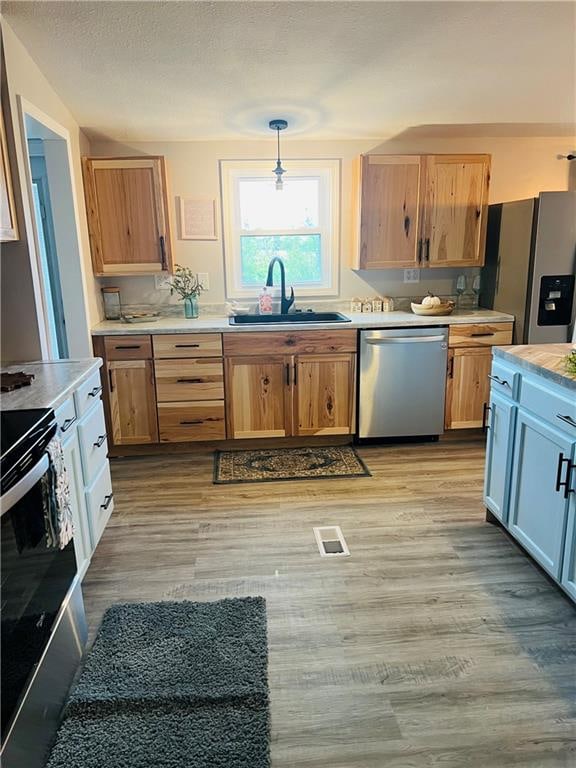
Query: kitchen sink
x=292 y=317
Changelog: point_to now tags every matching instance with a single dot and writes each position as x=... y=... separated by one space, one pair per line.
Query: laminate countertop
x=219 y=323
x=54 y=381
x=544 y=359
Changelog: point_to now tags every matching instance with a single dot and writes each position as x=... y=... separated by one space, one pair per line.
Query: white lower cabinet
x=100 y=503
x=499 y=445
x=72 y=462
x=82 y=430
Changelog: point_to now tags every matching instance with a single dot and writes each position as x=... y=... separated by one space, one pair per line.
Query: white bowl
x=437 y=310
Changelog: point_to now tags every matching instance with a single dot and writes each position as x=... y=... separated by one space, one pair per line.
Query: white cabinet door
x=569 y=564
x=538 y=509
x=499 y=446
x=82 y=546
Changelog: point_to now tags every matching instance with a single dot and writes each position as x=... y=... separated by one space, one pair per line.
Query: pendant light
x=278 y=125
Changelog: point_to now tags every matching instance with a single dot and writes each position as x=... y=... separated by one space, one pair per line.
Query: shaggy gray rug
x=171 y=685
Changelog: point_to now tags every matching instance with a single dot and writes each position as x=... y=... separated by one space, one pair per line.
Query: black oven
x=36 y=578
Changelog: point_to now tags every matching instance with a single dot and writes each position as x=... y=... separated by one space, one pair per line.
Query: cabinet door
x=132 y=398
x=456 y=210
x=8 y=225
x=324 y=394
x=127 y=210
x=467 y=387
x=259 y=396
x=538 y=512
x=569 y=563
x=389 y=212
x=500 y=442
x=82 y=547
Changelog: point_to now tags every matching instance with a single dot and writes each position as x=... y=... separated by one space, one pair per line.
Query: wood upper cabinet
x=456 y=202
x=389 y=211
x=421 y=210
x=259 y=396
x=8 y=223
x=324 y=394
x=128 y=215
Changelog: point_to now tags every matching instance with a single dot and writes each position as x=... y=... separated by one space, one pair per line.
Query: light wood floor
x=437 y=644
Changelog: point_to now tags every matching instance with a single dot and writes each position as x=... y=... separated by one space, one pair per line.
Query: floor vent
x=331 y=541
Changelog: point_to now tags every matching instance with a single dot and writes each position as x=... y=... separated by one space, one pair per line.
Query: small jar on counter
x=356 y=305
x=367 y=305
x=377 y=304
x=112 y=306
x=387 y=304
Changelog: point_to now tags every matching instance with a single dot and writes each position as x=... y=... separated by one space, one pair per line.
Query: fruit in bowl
x=433 y=305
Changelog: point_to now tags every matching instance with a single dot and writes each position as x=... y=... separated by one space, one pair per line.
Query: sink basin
x=292 y=317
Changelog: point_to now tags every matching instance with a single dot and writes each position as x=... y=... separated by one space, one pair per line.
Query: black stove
x=24 y=437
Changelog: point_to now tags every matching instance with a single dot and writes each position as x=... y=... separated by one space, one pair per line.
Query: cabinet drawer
x=88 y=393
x=173 y=345
x=180 y=422
x=100 y=503
x=557 y=409
x=66 y=418
x=192 y=379
x=128 y=347
x=480 y=335
x=504 y=380
x=93 y=443
x=295 y=342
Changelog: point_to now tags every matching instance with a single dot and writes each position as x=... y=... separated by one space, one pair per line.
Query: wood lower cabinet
x=132 y=398
x=467 y=387
x=469 y=363
x=324 y=401
x=259 y=396
x=128 y=215
x=290 y=395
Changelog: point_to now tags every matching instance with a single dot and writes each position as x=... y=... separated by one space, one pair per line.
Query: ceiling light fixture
x=278 y=125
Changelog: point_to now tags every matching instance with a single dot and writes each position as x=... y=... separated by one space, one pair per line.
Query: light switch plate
x=204 y=280
x=411 y=275
x=162 y=282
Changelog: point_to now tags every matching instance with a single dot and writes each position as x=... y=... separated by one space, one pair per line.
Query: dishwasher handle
x=403 y=339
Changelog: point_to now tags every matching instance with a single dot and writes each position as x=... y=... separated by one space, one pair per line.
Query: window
x=300 y=224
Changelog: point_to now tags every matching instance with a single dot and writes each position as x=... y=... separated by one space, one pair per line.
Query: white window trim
x=327 y=169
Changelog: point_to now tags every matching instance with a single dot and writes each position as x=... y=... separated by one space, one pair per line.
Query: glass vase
x=190 y=307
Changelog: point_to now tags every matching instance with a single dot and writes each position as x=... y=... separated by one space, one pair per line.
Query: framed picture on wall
x=198 y=219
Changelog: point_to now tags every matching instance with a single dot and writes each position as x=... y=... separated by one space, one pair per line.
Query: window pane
x=262 y=207
x=301 y=255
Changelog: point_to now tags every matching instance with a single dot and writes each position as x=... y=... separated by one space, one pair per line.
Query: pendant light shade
x=278 y=125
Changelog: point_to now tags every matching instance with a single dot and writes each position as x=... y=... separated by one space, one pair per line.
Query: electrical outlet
x=162 y=282
x=411 y=275
x=204 y=280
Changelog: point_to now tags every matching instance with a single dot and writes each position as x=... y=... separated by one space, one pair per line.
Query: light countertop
x=54 y=381
x=219 y=323
x=544 y=359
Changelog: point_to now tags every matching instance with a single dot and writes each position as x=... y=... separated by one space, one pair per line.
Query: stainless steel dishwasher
x=402 y=382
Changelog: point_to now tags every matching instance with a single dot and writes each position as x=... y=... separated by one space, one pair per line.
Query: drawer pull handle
x=127 y=346
x=107 y=501
x=189 y=381
x=485 y=410
x=95 y=392
x=498 y=380
x=192 y=346
x=197 y=421
x=483 y=333
x=567 y=419
x=67 y=424
x=566 y=482
x=100 y=441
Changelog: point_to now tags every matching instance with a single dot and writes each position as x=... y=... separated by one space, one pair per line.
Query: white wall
x=521 y=168
x=21 y=329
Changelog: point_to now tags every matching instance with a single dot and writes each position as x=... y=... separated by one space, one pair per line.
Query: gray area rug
x=172 y=685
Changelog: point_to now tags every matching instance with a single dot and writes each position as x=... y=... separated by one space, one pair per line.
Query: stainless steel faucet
x=285 y=303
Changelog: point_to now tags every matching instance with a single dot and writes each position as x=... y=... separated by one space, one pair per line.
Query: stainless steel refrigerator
x=531 y=265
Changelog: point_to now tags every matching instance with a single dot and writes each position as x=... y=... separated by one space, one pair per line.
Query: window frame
x=327 y=170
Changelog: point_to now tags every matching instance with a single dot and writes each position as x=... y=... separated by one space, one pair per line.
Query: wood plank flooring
x=438 y=643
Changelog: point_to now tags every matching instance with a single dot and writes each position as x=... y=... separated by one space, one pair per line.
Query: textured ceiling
x=197 y=70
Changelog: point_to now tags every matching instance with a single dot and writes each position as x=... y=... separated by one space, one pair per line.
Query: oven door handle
x=17 y=492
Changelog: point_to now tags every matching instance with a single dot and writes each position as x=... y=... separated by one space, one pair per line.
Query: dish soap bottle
x=265 y=302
